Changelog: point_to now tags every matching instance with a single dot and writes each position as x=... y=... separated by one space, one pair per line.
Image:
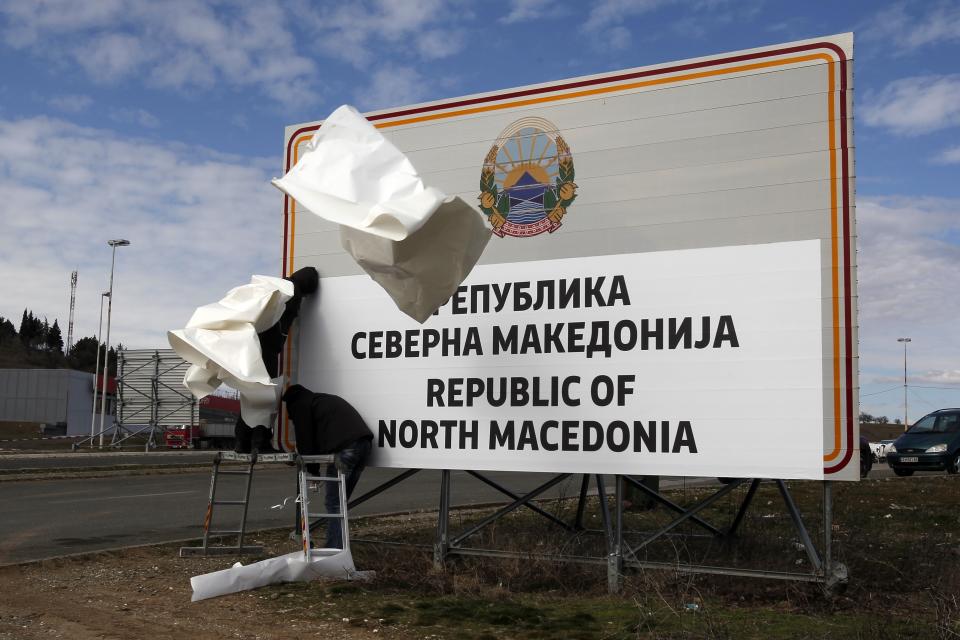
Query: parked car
x=931 y=444
x=880 y=450
x=866 y=457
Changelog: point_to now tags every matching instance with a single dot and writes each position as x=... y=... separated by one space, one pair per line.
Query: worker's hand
x=305 y=281
x=339 y=462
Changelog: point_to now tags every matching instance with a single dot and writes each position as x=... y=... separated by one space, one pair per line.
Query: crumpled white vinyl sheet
x=413 y=240
x=220 y=343
x=292 y=567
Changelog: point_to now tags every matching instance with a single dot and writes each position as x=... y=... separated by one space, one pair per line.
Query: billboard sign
x=671 y=288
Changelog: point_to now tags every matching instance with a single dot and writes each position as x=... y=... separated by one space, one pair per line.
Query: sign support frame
x=621 y=555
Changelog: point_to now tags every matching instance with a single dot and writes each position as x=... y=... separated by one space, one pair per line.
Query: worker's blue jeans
x=351 y=461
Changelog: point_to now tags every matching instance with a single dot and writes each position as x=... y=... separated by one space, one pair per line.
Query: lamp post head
x=105 y=294
x=120 y=242
x=903 y=340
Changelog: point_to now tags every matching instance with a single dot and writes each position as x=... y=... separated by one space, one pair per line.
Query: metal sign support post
x=442 y=544
x=615 y=544
x=620 y=554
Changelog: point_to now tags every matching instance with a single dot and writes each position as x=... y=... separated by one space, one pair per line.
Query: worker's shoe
x=242 y=438
x=261 y=440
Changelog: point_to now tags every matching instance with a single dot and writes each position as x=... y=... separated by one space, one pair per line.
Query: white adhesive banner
x=351 y=175
x=701 y=362
x=221 y=344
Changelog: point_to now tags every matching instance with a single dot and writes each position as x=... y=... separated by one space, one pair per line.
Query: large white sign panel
x=743 y=159
x=677 y=362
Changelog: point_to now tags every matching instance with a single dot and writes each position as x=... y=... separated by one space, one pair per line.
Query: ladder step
x=225 y=532
x=229 y=502
x=323 y=478
x=325 y=515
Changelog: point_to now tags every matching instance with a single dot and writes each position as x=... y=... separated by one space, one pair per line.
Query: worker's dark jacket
x=324 y=423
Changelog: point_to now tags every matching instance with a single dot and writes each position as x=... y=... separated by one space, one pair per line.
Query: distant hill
x=875 y=432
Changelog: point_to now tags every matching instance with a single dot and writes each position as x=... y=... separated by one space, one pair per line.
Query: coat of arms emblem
x=526 y=184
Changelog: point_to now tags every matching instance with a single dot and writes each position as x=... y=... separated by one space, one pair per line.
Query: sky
x=117 y=116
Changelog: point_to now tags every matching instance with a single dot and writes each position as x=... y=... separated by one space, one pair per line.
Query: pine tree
x=7 y=330
x=26 y=328
x=83 y=354
x=54 y=340
x=42 y=335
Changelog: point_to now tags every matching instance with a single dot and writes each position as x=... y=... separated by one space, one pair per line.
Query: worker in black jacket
x=325 y=424
x=258 y=438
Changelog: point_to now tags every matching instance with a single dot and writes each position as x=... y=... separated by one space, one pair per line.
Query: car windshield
x=943 y=423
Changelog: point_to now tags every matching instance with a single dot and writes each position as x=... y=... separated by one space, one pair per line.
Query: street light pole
x=906 y=424
x=106 y=351
x=96 y=371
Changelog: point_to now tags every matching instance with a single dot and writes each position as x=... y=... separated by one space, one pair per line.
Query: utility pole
x=73 y=304
x=906 y=424
x=106 y=350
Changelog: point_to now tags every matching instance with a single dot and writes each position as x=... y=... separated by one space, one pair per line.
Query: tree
x=83 y=354
x=54 y=339
x=866 y=417
x=26 y=328
x=883 y=420
x=7 y=331
x=31 y=330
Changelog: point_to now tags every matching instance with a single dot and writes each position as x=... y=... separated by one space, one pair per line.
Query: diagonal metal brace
x=687 y=514
x=742 y=511
x=546 y=514
x=510 y=507
x=799 y=526
x=656 y=495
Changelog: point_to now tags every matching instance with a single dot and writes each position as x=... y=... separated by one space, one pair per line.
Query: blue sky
x=115 y=115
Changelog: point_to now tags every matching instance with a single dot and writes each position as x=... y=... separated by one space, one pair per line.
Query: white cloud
x=524 y=10
x=360 y=31
x=908 y=263
x=896 y=27
x=605 y=21
x=391 y=86
x=949 y=156
x=138 y=117
x=199 y=222
x=916 y=105
x=71 y=103
x=182 y=45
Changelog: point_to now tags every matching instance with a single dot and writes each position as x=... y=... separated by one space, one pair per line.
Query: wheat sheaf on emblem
x=527 y=180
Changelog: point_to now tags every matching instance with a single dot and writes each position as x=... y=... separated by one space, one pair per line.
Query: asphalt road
x=81 y=459
x=48 y=518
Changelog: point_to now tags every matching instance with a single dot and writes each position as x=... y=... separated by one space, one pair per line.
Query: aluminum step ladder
x=305 y=480
x=220 y=549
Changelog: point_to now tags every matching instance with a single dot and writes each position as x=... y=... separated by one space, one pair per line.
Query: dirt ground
x=900 y=539
x=145 y=593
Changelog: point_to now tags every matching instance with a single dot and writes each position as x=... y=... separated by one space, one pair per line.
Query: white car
x=880 y=450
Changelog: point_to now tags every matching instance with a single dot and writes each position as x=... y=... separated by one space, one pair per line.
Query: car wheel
x=903 y=473
x=866 y=463
x=954 y=466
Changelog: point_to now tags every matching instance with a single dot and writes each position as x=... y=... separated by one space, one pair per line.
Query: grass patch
x=900 y=539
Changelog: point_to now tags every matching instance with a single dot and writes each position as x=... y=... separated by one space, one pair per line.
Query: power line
x=864 y=395
x=916 y=386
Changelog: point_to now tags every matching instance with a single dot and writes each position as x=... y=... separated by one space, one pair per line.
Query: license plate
x=909 y=459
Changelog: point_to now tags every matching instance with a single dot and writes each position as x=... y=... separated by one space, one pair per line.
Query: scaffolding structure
x=150 y=396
